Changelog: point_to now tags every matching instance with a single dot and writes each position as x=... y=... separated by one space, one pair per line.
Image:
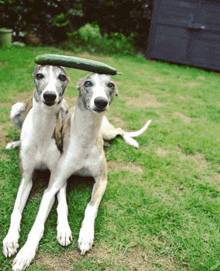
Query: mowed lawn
x=161 y=209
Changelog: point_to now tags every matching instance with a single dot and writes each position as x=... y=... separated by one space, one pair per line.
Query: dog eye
x=111 y=85
x=39 y=76
x=88 y=84
x=62 y=77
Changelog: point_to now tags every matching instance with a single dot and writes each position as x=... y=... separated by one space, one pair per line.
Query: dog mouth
x=99 y=110
x=49 y=103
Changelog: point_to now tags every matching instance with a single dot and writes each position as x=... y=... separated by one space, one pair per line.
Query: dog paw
x=64 y=235
x=130 y=141
x=23 y=258
x=10 y=245
x=12 y=145
x=86 y=239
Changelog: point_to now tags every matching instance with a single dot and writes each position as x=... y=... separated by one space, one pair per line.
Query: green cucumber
x=76 y=63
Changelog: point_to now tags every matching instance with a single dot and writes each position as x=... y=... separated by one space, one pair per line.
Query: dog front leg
x=64 y=235
x=86 y=235
x=28 y=251
x=10 y=242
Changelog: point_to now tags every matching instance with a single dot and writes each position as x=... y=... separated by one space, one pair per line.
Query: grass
x=161 y=210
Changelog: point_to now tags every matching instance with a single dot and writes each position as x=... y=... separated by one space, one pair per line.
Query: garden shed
x=186 y=32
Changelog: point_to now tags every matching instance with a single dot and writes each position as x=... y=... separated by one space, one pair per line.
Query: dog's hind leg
x=109 y=132
x=17 y=113
x=64 y=235
x=17 y=117
x=10 y=242
x=13 y=145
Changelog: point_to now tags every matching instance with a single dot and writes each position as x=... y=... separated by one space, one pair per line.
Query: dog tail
x=128 y=136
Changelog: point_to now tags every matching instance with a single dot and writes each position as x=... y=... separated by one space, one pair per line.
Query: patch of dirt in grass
x=159 y=79
x=1 y=181
x=197 y=157
x=202 y=77
x=136 y=260
x=182 y=97
x=115 y=166
x=116 y=121
x=5 y=104
x=191 y=84
x=182 y=117
x=56 y=263
x=216 y=177
x=200 y=160
x=2 y=137
x=144 y=100
x=108 y=258
x=162 y=152
x=22 y=96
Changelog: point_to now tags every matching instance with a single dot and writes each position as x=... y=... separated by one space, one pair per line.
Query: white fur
x=83 y=149
x=38 y=149
x=83 y=154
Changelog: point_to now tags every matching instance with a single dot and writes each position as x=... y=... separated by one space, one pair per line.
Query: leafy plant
x=88 y=38
x=125 y=16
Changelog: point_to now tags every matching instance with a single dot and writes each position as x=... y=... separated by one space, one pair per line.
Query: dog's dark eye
x=39 y=76
x=111 y=85
x=62 y=77
x=88 y=84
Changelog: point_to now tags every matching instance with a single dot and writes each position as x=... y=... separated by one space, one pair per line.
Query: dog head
x=97 y=91
x=50 y=82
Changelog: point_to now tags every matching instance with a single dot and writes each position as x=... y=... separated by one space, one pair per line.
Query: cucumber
x=76 y=63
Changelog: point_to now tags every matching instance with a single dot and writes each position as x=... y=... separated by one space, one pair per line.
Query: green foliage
x=30 y=16
x=88 y=38
x=125 y=16
x=51 y=20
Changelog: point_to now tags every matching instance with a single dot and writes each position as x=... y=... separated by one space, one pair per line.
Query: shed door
x=170 y=37
x=205 y=41
x=186 y=31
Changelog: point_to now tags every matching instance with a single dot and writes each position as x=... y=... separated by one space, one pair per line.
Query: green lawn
x=161 y=209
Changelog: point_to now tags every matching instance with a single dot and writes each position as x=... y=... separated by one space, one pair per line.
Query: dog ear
x=37 y=67
x=116 y=92
x=79 y=84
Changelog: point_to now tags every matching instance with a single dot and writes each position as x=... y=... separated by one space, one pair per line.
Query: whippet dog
x=83 y=154
x=39 y=148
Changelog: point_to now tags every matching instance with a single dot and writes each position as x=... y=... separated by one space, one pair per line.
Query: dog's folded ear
x=79 y=83
x=37 y=67
x=116 y=92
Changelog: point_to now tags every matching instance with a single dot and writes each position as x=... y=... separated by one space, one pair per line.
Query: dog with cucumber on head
x=80 y=151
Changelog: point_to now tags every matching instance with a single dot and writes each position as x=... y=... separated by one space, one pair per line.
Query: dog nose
x=49 y=96
x=100 y=102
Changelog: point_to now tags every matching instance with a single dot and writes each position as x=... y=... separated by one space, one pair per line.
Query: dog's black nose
x=100 y=102
x=49 y=96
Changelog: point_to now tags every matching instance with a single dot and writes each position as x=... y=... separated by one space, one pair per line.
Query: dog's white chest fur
x=37 y=140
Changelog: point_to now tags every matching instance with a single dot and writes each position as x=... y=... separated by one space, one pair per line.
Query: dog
x=39 y=148
x=82 y=154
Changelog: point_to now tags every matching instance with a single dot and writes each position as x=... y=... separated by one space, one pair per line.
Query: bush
x=51 y=20
x=88 y=38
x=30 y=16
x=124 y=16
